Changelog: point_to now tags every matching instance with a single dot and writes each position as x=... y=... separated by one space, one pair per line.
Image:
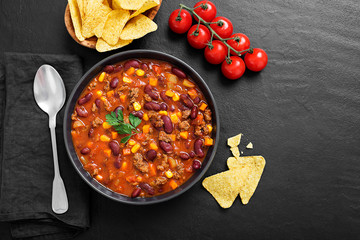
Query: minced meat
x=97 y=122
x=164 y=137
x=159 y=181
x=207 y=115
x=133 y=94
x=184 y=125
x=186 y=114
x=140 y=163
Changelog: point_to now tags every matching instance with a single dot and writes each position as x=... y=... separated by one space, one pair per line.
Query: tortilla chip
x=146 y=6
x=114 y=25
x=225 y=186
x=95 y=12
x=235 y=151
x=256 y=165
x=128 y=4
x=100 y=27
x=234 y=141
x=76 y=19
x=102 y=46
x=250 y=146
x=80 y=4
x=138 y=27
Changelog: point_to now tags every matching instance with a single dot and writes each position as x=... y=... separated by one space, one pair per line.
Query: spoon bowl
x=49 y=93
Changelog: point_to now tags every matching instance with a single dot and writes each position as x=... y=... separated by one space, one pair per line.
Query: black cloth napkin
x=26 y=160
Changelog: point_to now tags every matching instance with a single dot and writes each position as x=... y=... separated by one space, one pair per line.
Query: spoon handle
x=59 y=198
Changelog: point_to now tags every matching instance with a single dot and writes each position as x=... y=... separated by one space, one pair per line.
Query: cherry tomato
x=198 y=39
x=207 y=11
x=217 y=54
x=241 y=42
x=257 y=60
x=235 y=69
x=224 y=28
x=182 y=23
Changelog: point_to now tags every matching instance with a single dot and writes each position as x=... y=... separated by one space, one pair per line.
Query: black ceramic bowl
x=84 y=82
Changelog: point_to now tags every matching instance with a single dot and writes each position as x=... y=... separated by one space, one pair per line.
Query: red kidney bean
x=151 y=155
x=152 y=106
x=196 y=100
x=184 y=155
x=198 y=147
x=117 y=163
x=149 y=91
x=132 y=63
x=186 y=100
x=136 y=192
x=168 y=126
x=85 y=150
x=172 y=108
x=144 y=66
x=182 y=107
x=194 y=112
x=161 y=80
x=164 y=97
x=115 y=147
x=165 y=146
x=118 y=69
x=138 y=114
x=163 y=106
x=91 y=133
x=109 y=68
x=147 y=188
x=98 y=102
x=114 y=82
x=85 y=99
x=192 y=154
x=81 y=111
x=179 y=73
x=196 y=164
x=117 y=109
x=188 y=144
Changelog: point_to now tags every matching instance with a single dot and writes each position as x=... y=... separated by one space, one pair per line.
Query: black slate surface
x=301 y=113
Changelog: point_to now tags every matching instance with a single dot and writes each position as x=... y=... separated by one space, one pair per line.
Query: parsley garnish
x=121 y=127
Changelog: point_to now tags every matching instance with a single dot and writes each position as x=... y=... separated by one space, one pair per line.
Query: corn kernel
x=123 y=166
x=140 y=72
x=126 y=80
x=169 y=174
x=139 y=178
x=184 y=135
x=104 y=138
x=126 y=151
x=137 y=106
x=173 y=137
x=90 y=144
x=163 y=112
x=130 y=71
x=173 y=184
x=73 y=133
x=187 y=83
x=153 y=146
x=208 y=141
x=107 y=152
x=179 y=114
x=176 y=97
x=103 y=99
x=114 y=135
x=99 y=177
x=146 y=128
x=153 y=81
x=132 y=142
x=209 y=127
x=145 y=117
x=110 y=93
x=169 y=93
x=122 y=98
x=174 y=118
x=99 y=93
x=135 y=148
x=102 y=76
x=106 y=125
x=203 y=106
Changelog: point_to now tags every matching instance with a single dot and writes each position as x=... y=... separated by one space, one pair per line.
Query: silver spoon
x=49 y=93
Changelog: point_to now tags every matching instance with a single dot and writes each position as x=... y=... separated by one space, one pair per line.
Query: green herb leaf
x=125 y=139
x=111 y=119
x=123 y=128
x=120 y=115
x=135 y=121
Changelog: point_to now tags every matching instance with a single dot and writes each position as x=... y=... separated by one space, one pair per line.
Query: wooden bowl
x=91 y=42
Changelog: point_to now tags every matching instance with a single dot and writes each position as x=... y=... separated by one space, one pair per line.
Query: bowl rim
x=67 y=125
